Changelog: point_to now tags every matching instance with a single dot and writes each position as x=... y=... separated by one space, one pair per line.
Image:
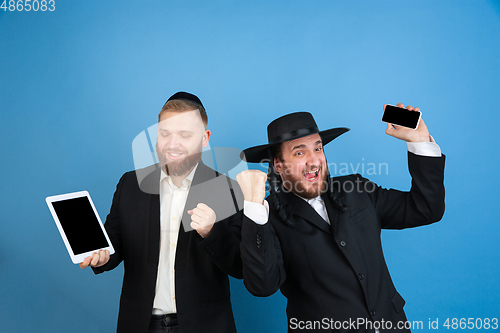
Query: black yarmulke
x=187 y=97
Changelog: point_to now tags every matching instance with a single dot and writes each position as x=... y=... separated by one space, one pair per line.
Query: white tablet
x=79 y=224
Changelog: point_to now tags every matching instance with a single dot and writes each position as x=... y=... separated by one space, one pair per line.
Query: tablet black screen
x=80 y=225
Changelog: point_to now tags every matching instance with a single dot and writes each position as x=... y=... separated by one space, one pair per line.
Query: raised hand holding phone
x=418 y=134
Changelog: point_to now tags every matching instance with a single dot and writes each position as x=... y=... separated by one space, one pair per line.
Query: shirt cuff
x=430 y=149
x=259 y=213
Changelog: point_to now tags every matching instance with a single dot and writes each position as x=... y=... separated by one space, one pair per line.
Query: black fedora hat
x=286 y=128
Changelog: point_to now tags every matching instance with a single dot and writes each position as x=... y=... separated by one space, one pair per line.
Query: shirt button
x=361 y=276
x=175 y=218
x=343 y=244
x=373 y=313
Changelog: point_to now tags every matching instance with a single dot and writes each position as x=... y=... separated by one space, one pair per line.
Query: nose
x=172 y=142
x=313 y=160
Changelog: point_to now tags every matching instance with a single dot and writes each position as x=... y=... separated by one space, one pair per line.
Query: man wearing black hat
x=318 y=238
x=176 y=274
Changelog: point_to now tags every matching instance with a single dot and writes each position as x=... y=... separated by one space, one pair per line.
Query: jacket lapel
x=153 y=230
x=343 y=232
x=195 y=196
x=151 y=218
x=301 y=208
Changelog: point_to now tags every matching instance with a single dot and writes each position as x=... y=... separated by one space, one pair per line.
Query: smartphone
x=401 y=116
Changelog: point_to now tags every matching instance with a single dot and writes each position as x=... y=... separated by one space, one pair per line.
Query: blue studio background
x=78 y=84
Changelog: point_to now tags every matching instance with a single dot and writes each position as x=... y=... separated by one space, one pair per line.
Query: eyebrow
x=304 y=146
x=298 y=147
x=180 y=132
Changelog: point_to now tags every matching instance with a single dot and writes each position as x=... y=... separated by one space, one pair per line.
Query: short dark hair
x=182 y=105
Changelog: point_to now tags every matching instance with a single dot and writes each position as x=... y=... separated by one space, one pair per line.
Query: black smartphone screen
x=400 y=116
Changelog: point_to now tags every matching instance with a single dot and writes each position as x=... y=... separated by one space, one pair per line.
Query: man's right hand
x=253 y=185
x=98 y=259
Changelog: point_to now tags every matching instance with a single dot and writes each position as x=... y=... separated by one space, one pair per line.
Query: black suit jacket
x=201 y=265
x=338 y=271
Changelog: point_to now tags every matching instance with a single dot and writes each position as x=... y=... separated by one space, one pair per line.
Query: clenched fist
x=253 y=185
x=202 y=219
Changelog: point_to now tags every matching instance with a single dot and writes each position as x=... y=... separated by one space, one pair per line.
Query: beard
x=181 y=167
x=297 y=185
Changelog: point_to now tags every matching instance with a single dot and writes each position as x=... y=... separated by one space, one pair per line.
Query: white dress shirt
x=319 y=206
x=172 y=202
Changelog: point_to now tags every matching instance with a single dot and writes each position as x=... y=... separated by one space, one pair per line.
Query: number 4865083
x=28 y=5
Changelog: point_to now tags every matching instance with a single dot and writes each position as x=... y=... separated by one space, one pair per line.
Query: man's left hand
x=421 y=134
x=202 y=219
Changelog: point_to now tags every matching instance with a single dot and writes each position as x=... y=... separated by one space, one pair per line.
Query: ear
x=278 y=165
x=206 y=137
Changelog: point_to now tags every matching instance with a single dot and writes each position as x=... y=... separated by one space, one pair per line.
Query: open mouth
x=312 y=175
x=174 y=155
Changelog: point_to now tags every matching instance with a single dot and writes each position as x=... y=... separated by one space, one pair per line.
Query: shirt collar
x=185 y=183
x=312 y=200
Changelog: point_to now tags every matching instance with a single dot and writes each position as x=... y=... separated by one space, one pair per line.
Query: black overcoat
x=336 y=274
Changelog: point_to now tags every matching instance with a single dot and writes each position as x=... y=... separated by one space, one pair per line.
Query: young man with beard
x=163 y=227
x=317 y=238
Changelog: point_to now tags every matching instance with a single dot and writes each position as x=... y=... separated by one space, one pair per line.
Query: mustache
x=175 y=151
x=314 y=168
